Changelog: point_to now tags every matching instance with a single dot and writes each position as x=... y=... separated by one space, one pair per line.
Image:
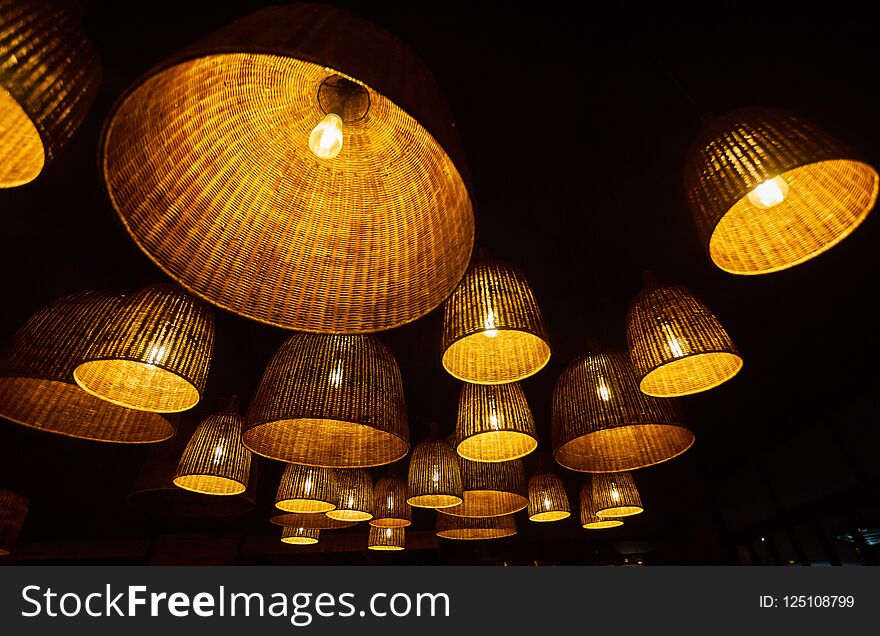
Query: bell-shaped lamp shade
x=299 y=536
x=494 y=423
x=615 y=495
x=391 y=509
x=491 y=489
x=434 y=479
x=548 y=500
x=354 y=496
x=13 y=512
x=474 y=529
x=769 y=190
x=153 y=354
x=307 y=489
x=589 y=519
x=36 y=377
x=309 y=520
x=386 y=539
x=493 y=332
x=50 y=77
x=676 y=344
x=334 y=401
x=602 y=422
x=253 y=217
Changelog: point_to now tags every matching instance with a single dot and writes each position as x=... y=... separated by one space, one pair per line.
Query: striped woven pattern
x=589 y=519
x=615 y=495
x=13 y=512
x=309 y=520
x=354 y=496
x=434 y=479
x=306 y=489
x=386 y=539
x=300 y=536
x=494 y=423
x=491 y=489
x=391 y=509
x=548 y=500
x=475 y=529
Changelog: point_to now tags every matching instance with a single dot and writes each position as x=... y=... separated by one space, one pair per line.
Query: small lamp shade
x=589 y=519
x=13 y=512
x=615 y=495
x=602 y=422
x=493 y=332
x=153 y=354
x=299 y=536
x=309 y=520
x=548 y=500
x=354 y=496
x=391 y=509
x=475 y=529
x=491 y=489
x=434 y=479
x=307 y=489
x=494 y=423
x=49 y=79
x=334 y=401
x=676 y=344
x=386 y=539
x=769 y=190
x=36 y=377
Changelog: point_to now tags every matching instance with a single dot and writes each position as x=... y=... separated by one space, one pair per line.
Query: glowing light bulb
x=156 y=355
x=336 y=375
x=350 y=501
x=547 y=503
x=435 y=477
x=308 y=485
x=491 y=331
x=218 y=452
x=326 y=138
x=674 y=345
x=603 y=390
x=493 y=420
x=771 y=192
x=615 y=495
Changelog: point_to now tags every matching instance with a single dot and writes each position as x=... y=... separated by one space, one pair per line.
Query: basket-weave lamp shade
x=548 y=500
x=354 y=496
x=491 y=489
x=306 y=489
x=676 y=344
x=493 y=332
x=13 y=512
x=153 y=353
x=386 y=539
x=391 y=509
x=602 y=422
x=309 y=520
x=475 y=529
x=589 y=519
x=494 y=423
x=330 y=400
x=615 y=495
x=829 y=190
x=434 y=479
x=234 y=205
x=300 y=536
x=49 y=76
x=36 y=377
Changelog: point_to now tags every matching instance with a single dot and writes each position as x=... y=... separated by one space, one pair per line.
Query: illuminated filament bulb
x=615 y=494
x=435 y=477
x=336 y=375
x=547 y=503
x=351 y=501
x=308 y=485
x=603 y=390
x=326 y=138
x=771 y=192
x=491 y=331
x=674 y=345
x=156 y=355
x=218 y=452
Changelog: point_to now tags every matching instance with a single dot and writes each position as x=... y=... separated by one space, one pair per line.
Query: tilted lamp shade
x=391 y=509
x=153 y=354
x=676 y=344
x=36 y=377
x=49 y=76
x=475 y=529
x=615 y=495
x=299 y=536
x=493 y=332
x=309 y=520
x=589 y=519
x=354 y=496
x=602 y=422
x=13 y=512
x=334 y=401
x=769 y=190
x=307 y=489
x=491 y=489
x=548 y=500
x=434 y=479
x=257 y=224
x=494 y=423
x=387 y=539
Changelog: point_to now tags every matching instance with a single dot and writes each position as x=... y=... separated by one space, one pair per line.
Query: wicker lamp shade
x=475 y=529
x=589 y=519
x=386 y=539
x=434 y=479
x=153 y=354
x=36 y=377
x=309 y=520
x=391 y=509
x=769 y=190
x=49 y=76
x=299 y=536
x=491 y=489
x=676 y=344
x=615 y=495
x=354 y=496
x=306 y=489
x=548 y=500
x=13 y=512
x=494 y=423
x=493 y=332
x=334 y=401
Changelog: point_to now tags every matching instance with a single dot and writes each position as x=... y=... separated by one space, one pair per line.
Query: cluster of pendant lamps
x=351 y=154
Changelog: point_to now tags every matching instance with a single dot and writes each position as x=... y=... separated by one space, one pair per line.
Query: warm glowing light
x=493 y=420
x=220 y=450
x=308 y=485
x=336 y=375
x=771 y=192
x=156 y=355
x=674 y=345
x=326 y=138
x=491 y=331
x=435 y=477
x=603 y=390
x=547 y=503
x=615 y=494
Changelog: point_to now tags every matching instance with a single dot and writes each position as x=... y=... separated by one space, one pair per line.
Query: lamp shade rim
x=233 y=486
x=386 y=548
x=590 y=463
x=434 y=501
x=299 y=505
x=547 y=516
x=602 y=524
x=192 y=390
x=620 y=511
x=646 y=386
x=544 y=346
x=467 y=442
x=390 y=522
x=348 y=514
x=299 y=540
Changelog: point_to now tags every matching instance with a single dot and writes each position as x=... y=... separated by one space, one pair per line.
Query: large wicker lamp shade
x=475 y=529
x=36 y=377
x=153 y=354
x=589 y=519
x=615 y=495
x=386 y=539
x=300 y=536
x=548 y=500
x=235 y=206
x=493 y=332
x=494 y=423
x=307 y=489
x=354 y=496
x=309 y=520
x=434 y=479
x=602 y=422
x=391 y=509
x=13 y=512
x=49 y=76
x=676 y=344
x=491 y=489
x=769 y=190
x=330 y=400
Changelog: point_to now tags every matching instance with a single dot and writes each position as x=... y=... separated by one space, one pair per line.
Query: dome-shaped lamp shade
x=494 y=423
x=215 y=462
x=769 y=190
x=299 y=536
x=602 y=422
x=386 y=539
x=306 y=489
x=493 y=332
x=615 y=495
x=474 y=529
x=153 y=354
x=334 y=401
x=36 y=377
x=49 y=76
x=434 y=479
x=676 y=344
x=253 y=217
x=354 y=496
x=589 y=519
x=548 y=500
x=391 y=509
x=309 y=520
x=491 y=489
x=13 y=512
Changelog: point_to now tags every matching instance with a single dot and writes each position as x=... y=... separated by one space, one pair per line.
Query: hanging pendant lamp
x=386 y=539
x=309 y=520
x=354 y=496
x=334 y=401
x=491 y=489
x=548 y=500
x=49 y=77
x=299 y=536
x=36 y=377
x=474 y=529
x=589 y=519
x=493 y=332
x=769 y=190
x=391 y=509
x=494 y=423
x=615 y=495
x=434 y=479
x=676 y=344
x=307 y=489
x=13 y=512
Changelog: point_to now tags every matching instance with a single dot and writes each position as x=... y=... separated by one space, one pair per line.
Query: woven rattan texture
x=391 y=509
x=13 y=512
x=306 y=489
x=215 y=462
x=300 y=536
x=386 y=539
x=494 y=423
x=491 y=489
x=589 y=519
x=434 y=479
x=309 y=520
x=354 y=496
x=548 y=500
x=615 y=495
x=474 y=529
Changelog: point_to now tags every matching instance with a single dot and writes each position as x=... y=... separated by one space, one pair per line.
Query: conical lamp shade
x=494 y=423
x=468 y=529
x=251 y=219
x=386 y=539
x=676 y=344
x=548 y=500
x=589 y=519
x=391 y=509
x=493 y=332
x=300 y=536
x=309 y=520
x=49 y=79
x=307 y=489
x=334 y=401
x=36 y=377
x=354 y=496
x=602 y=422
x=769 y=190
x=615 y=495
x=434 y=479
x=13 y=512
x=153 y=354
x=491 y=489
